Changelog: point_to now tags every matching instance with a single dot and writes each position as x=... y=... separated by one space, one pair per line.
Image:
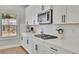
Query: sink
x=45 y=36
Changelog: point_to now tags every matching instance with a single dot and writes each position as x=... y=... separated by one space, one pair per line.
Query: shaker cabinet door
x=34 y=12
x=73 y=14
x=28 y=15
x=59 y=11
x=45 y=7
x=35 y=48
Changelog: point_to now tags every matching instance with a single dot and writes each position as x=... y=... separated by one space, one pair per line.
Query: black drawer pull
x=54 y=49
x=21 y=38
x=27 y=41
x=36 y=47
x=64 y=18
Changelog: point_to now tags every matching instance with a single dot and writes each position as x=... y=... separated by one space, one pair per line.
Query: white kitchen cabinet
x=28 y=15
x=39 y=48
x=34 y=12
x=43 y=49
x=45 y=7
x=65 y=14
x=27 y=43
x=57 y=50
x=73 y=14
x=35 y=48
x=23 y=42
x=62 y=14
x=31 y=14
x=59 y=14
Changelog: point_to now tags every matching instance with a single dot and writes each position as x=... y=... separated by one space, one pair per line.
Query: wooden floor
x=15 y=50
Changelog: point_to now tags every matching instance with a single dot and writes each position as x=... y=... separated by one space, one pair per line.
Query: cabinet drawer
x=51 y=48
x=57 y=50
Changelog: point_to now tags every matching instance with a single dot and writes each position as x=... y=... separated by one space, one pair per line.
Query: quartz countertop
x=63 y=43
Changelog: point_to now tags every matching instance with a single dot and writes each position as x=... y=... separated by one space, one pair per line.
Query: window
x=8 y=25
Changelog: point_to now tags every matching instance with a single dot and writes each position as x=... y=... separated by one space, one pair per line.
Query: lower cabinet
x=39 y=48
x=57 y=50
x=36 y=46
x=27 y=44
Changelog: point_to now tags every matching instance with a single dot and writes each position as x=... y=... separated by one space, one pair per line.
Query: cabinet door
x=35 y=9
x=57 y=50
x=45 y=7
x=72 y=14
x=23 y=42
x=44 y=49
x=35 y=48
x=31 y=14
x=29 y=44
x=28 y=15
x=40 y=48
x=59 y=11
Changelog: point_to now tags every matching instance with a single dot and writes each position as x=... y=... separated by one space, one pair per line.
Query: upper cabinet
x=59 y=14
x=68 y=14
x=35 y=10
x=73 y=14
x=31 y=14
x=45 y=7
x=62 y=14
x=32 y=11
x=28 y=15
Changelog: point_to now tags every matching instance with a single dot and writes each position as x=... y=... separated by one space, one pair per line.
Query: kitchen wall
x=48 y=29
x=71 y=31
x=70 y=40
x=16 y=9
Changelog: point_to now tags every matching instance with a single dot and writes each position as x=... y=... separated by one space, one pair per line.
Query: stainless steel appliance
x=45 y=17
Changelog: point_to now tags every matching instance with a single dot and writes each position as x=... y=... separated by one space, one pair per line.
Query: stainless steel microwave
x=45 y=17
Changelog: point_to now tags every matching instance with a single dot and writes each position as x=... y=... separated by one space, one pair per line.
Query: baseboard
x=9 y=46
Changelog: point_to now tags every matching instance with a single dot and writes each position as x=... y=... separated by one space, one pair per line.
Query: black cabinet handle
x=64 y=18
x=21 y=38
x=27 y=41
x=54 y=49
x=36 y=47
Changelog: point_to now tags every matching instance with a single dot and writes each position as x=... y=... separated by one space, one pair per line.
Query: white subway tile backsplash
x=71 y=31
